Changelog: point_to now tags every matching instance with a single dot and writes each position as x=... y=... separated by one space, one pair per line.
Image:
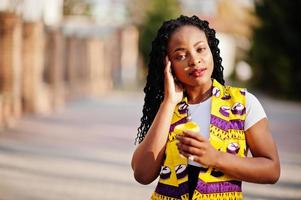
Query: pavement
x=83 y=152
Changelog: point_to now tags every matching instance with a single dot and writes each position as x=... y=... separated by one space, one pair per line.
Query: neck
x=199 y=94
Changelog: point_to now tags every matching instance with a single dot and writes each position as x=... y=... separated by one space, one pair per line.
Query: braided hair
x=154 y=89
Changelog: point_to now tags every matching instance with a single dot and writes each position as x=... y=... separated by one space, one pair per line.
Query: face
x=190 y=56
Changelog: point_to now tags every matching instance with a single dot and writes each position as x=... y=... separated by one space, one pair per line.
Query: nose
x=194 y=60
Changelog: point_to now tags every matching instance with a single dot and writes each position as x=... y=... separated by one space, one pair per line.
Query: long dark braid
x=154 y=89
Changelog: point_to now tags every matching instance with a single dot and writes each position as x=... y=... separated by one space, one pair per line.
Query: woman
x=185 y=82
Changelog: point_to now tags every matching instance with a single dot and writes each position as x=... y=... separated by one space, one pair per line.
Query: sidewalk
x=84 y=153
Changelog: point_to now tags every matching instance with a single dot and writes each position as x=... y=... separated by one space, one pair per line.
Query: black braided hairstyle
x=154 y=89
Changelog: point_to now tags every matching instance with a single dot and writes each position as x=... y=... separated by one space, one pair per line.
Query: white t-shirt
x=200 y=113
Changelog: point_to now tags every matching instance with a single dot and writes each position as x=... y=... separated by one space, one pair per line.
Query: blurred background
x=72 y=74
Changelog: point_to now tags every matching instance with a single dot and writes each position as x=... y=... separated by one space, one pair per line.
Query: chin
x=195 y=82
x=203 y=81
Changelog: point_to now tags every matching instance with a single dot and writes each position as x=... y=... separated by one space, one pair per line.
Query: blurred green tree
x=159 y=11
x=275 y=52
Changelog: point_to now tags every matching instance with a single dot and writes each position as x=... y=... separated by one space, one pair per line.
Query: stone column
x=73 y=57
x=129 y=56
x=95 y=65
x=10 y=67
x=82 y=71
x=54 y=67
x=35 y=93
x=110 y=58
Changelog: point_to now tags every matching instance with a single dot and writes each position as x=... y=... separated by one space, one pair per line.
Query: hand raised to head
x=173 y=90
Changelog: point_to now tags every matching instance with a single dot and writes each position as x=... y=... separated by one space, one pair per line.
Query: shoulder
x=254 y=110
x=251 y=100
x=251 y=97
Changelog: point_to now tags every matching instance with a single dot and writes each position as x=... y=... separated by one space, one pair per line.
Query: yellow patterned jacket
x=226 y=135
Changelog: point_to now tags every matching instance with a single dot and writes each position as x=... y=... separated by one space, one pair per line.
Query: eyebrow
x=181 y=48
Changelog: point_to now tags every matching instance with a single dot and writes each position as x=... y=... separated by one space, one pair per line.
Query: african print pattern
x=226 y=134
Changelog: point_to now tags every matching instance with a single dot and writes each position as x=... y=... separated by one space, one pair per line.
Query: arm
x=148 y=156
x=263 y=167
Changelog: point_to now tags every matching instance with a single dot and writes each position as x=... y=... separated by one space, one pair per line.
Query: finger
x=190 y=156
x=193 y=157
x=167 y=65
x=179 y=86
x=182 y=153
x=191 y=150
x=195 y=135
x=188 y=141
x=166 y=59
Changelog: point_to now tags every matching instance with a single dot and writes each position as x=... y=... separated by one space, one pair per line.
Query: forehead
x=185 y=35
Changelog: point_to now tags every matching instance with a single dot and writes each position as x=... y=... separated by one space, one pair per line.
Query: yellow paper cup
x=192 y=126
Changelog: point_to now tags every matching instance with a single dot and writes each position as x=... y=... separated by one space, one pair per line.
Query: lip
x=197 y=72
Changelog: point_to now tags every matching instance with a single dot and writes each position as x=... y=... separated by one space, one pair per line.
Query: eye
x=201 y=49
x=180 y=57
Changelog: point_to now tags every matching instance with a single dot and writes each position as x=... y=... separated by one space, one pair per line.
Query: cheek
x=181 y=74
x=209 y=60
x=178 y=68
x=177 y=72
